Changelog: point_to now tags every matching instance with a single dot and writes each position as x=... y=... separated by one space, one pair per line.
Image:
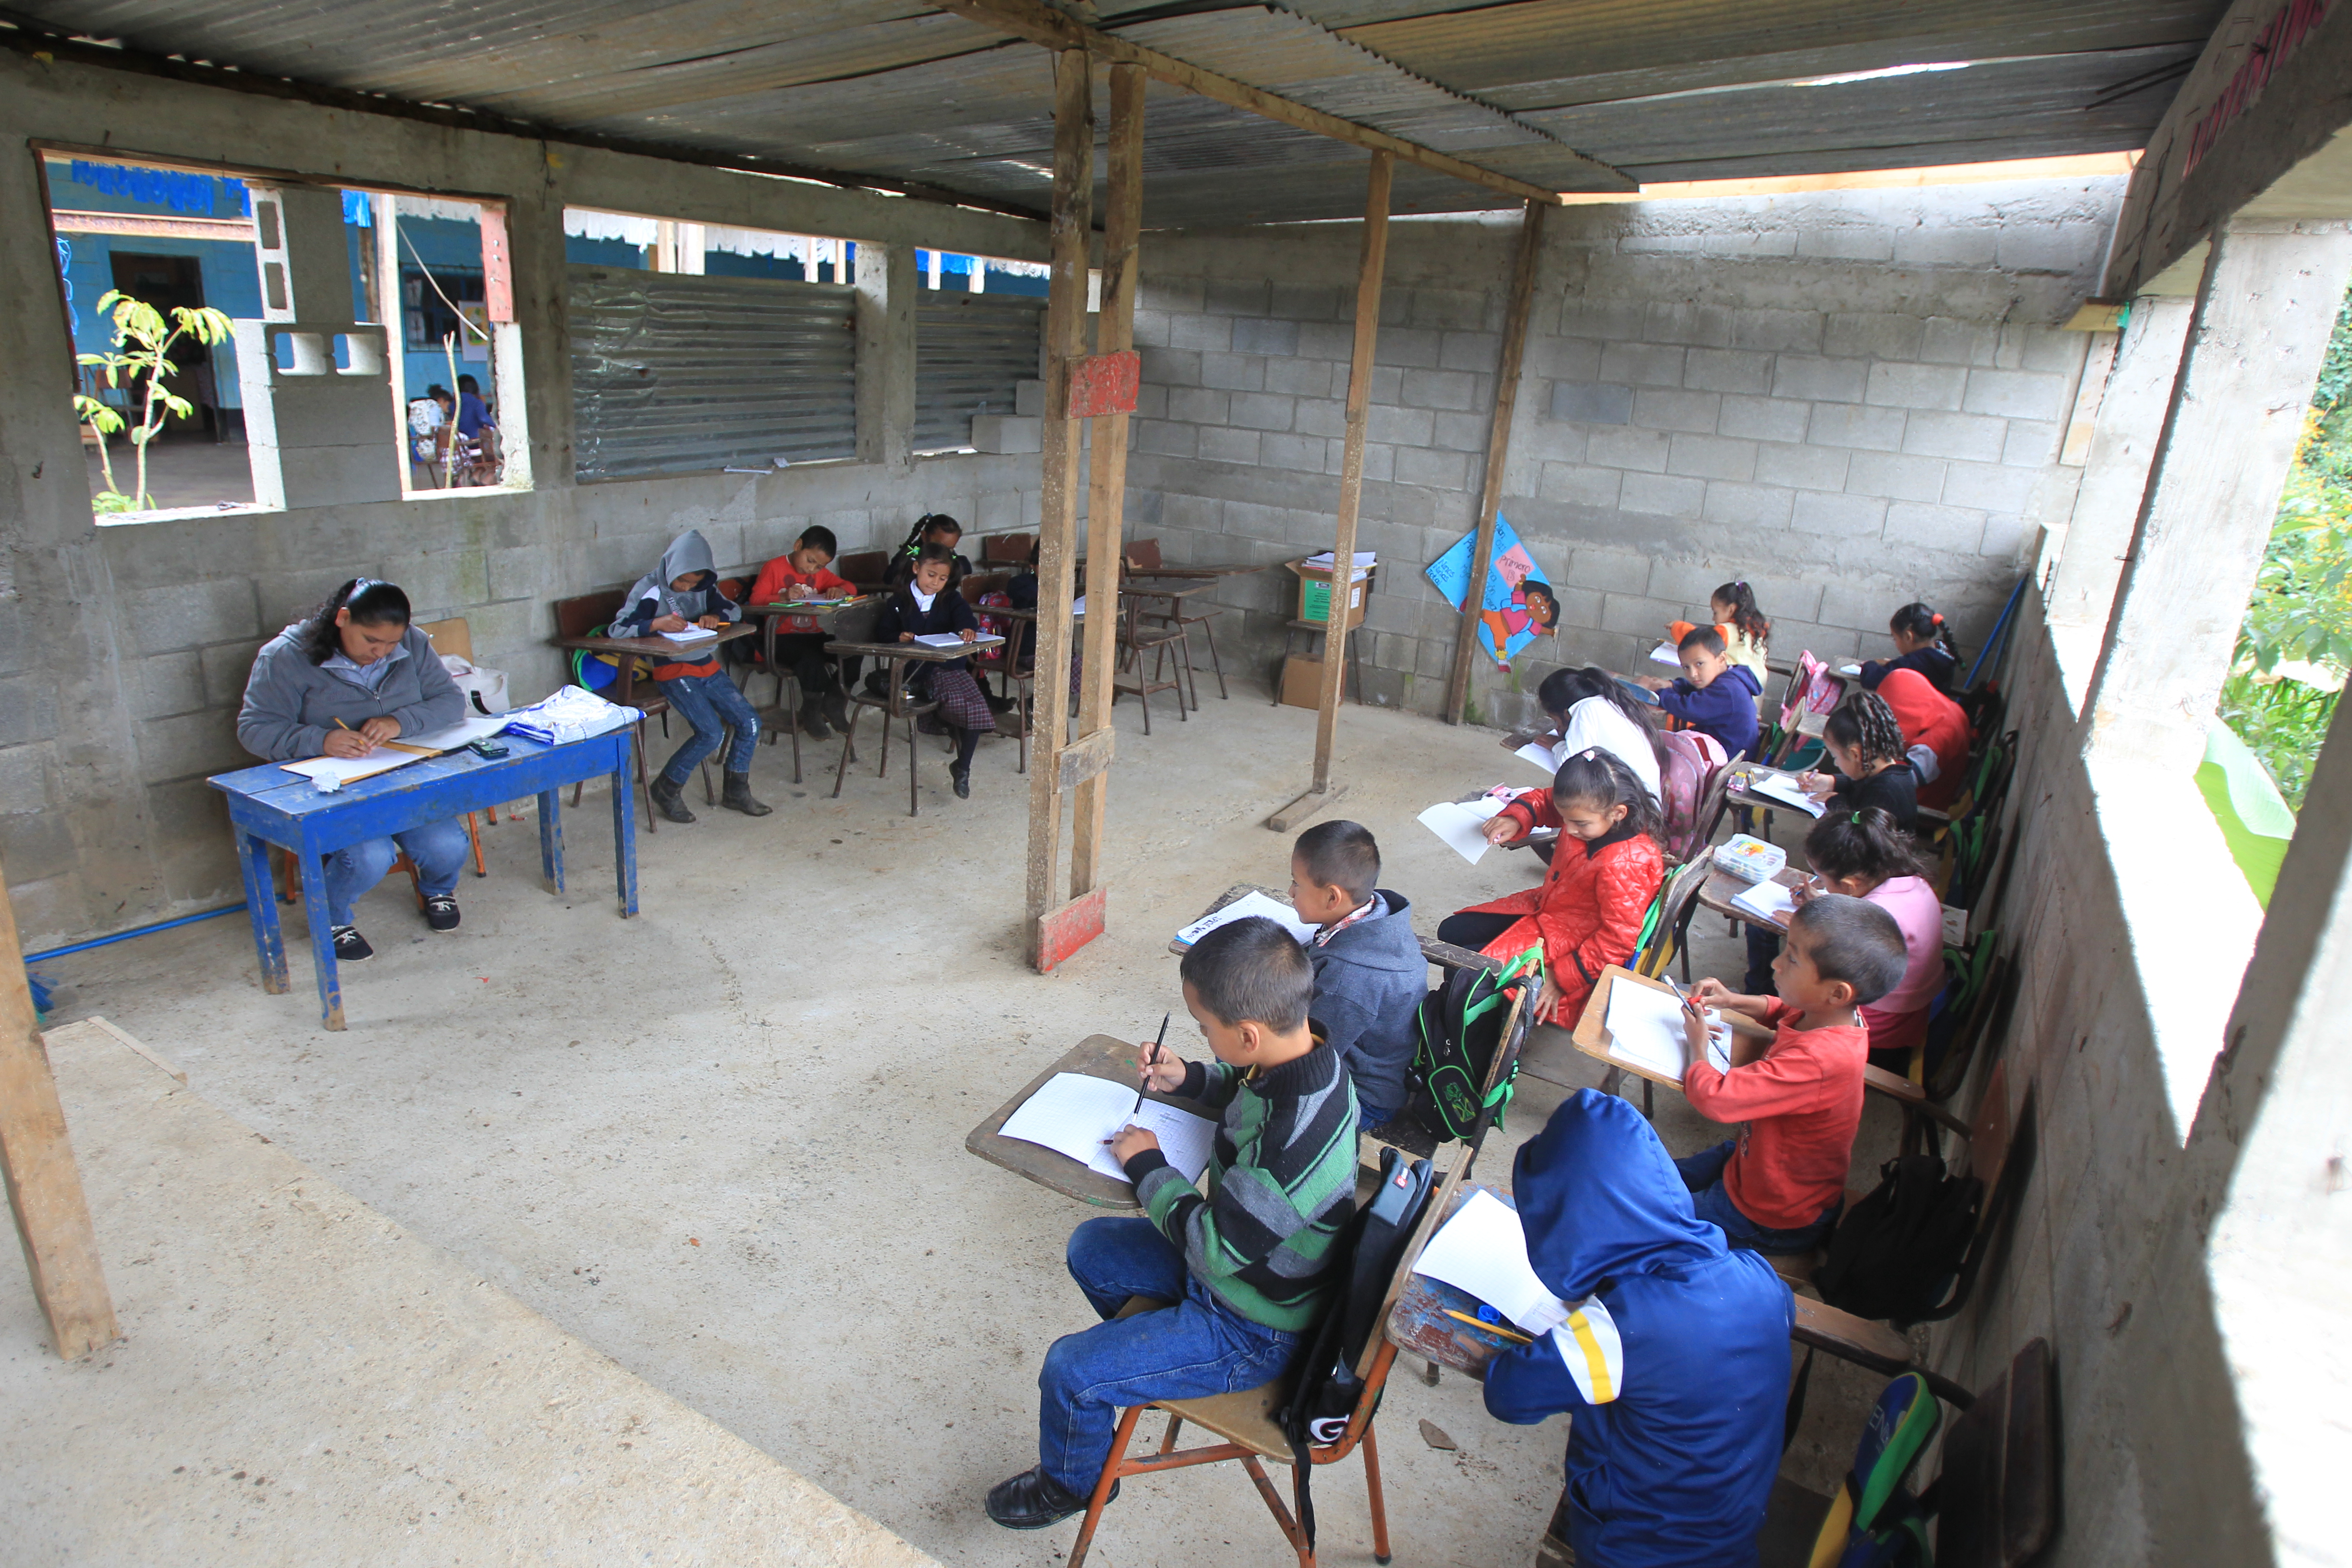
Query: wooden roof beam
x=1042 y=23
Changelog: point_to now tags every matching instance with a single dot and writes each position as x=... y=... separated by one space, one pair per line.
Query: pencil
x=1500 y=1334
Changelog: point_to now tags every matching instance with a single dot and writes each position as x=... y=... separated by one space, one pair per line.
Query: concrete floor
x=736 y=1162
x=185 y=468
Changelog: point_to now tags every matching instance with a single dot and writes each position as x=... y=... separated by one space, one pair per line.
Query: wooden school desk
x=899 y=654
x=1721 y=886
x=1443 y=953
x=1096 y=1056
x=660 y=647
x=269 y=805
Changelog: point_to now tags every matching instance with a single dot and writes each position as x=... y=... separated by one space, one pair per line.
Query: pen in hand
x=1149 y=1062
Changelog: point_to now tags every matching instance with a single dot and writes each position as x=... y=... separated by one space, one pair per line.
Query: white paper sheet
x=1483 y=1249
x=331 y=774
x=1849 y=669
x=1250 y=904
x=473 y=727
x=1784 y=789
x=1542 y=756
x=939 y=640
x=1463 y=824
x=1668 y=654
x=1074 y=1114
x=691 y=634
x=1646 y=1027
x=1767 y=901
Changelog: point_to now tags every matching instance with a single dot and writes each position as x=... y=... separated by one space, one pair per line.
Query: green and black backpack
x=1461 y=1029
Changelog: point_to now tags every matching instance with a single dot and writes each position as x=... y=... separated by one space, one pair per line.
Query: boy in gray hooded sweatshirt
x=683 y=592
x=1369 y=974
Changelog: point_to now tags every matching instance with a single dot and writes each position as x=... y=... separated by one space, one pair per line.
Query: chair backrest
x=1997 y=1495
x=866 y=568
x=582 y=613
x=1143 y=555
x=452 y=636
x=982 y=583
x=1007 y=548
x=1681 y=892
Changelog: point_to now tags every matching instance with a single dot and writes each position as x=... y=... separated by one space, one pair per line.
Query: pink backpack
x=1688 y=762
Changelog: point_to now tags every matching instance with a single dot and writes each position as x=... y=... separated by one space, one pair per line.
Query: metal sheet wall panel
x=970 y=350
x=673 y=373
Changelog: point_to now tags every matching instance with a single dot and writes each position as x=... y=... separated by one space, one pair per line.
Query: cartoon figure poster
x=1517 y=606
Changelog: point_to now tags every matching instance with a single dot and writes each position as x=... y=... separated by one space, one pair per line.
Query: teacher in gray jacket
x=352 y=674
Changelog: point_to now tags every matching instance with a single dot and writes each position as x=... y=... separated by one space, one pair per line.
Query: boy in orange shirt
x=1779 y=1187
x=800 y=646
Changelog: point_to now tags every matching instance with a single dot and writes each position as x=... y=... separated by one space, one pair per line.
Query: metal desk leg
x=261 y=905
x=322 y=940
x=550 y=837
x=624 y=840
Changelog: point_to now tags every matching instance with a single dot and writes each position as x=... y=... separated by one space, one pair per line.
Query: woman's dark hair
x=1864 y=843
x=1744 y=613
x=1564 y=689
x=1916 y=620
x=1594 y=778
x=436 y=389
x=371 y=603
x=1529 y=591
x=1866 y=726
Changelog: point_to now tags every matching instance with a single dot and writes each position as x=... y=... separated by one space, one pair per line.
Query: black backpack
x=1898 y=1253
x=1461 y=1028
x=1325 y=1389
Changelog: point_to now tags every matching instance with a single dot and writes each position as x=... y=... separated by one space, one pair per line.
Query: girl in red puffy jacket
x=1588 y=912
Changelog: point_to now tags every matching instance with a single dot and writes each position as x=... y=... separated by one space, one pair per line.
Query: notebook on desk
x=1077 y=1113
x=1637 y=1024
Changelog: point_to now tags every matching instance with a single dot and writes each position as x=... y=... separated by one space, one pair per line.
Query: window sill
x=180 y=514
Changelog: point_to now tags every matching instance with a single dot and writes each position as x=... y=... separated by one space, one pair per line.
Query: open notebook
x=1645 y=1029
x=1250 y=904
x=1784 y=789
x=331 y=774
x=1482 y=1249
x=1076 y=1114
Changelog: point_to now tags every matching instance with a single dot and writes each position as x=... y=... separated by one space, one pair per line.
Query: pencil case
x=1751 y=859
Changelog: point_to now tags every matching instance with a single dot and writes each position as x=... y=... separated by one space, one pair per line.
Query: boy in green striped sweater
x=1245 y=1270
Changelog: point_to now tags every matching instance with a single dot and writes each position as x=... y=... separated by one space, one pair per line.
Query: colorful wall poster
x=1517 y=606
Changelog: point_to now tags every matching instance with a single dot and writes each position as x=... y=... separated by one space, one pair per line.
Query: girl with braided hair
x=1874 y=765
x=1922 y=642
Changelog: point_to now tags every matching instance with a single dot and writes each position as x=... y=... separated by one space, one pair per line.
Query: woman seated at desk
x=352 y=675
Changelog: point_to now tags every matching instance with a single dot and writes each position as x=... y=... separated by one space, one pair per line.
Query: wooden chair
x=1136 y=640
x=865 y=569
x=582 y=615
x=1143 y=560
x=1008 y=548
x=455 y=637
x=894 y=704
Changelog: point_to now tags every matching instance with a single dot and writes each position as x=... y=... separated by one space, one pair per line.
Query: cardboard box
x=1315 y=593
x=1302 y=680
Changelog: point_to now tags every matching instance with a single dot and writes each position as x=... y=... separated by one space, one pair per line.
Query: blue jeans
x=439 y=849
x=1194 y=1347
x=1703 y=1173
x=1369 y=1116
x=710 y=703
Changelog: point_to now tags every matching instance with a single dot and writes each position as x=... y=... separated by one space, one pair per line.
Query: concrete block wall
x=1850 y=399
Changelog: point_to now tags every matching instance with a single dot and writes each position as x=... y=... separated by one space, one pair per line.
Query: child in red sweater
x=1778 y=1187
x=800 y=646
x=1588 y=912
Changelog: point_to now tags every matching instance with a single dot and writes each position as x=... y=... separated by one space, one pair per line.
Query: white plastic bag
x=484 y=690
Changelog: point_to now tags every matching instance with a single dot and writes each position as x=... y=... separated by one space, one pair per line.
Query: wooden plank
x=1499 y=451
x=1305 y=807
x=1369 y=274
x=1107 y=474
x=177 y=1074
x=1058 y=523
x=36 y=1161
x=1085 y=760
x=1065 y=930
x=1041 y=23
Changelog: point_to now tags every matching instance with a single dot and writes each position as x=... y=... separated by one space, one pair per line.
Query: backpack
x=1898 y=1253
x=1874 y=1523
x=1686 y=763
x=1325 y=1389
x=1459 y=1029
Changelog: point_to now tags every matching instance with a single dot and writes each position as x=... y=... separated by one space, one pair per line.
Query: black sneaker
x=1033 y=1500
x=351 y=947
x=441 y=911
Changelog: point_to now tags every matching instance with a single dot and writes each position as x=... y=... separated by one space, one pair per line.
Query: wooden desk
x=1443 y=953
x=1592 y=1033
x=660 y=647
x=269 y=805
x=1721 y=886
x=1096 y=1056
x=822 y=614
x=894 y=703
x=1417 y=1325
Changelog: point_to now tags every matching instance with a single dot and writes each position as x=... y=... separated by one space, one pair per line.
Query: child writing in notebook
x=925 y=605
x=1778 y=1187
x=1863 y=855
x=1587 y=913
x=1673 y=1366
x=1714 y=695
x=1235 y=1277
x=800 y=646
x=1873 y=766
x=1922 y=642
x=1739 y=623
x=1369 y=974
x=682 y=591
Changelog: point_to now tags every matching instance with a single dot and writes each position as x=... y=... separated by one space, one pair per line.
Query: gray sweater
x=1370 y=980
x=291 y=703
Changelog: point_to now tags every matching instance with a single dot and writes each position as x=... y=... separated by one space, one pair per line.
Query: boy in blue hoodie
x=1369 y=974
x=683 y=592
x=1715 y=695
x=1672 y=1365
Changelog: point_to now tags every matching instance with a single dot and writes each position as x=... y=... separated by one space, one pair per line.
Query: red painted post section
x=1105 y=383
x=1065 y=930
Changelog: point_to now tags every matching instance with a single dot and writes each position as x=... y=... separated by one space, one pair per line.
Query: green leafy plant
x=137 y=364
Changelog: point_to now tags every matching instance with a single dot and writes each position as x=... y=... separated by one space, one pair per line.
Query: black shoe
x=836 y=711
x=961 y=778
x=669 y=800
x=812 y=722
x=351 y=947
x=878 y=683
x=1033 y=1500
x=737 y=797
x=441 y=910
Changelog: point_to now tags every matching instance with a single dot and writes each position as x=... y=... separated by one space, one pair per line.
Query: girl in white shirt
x=1588 y=708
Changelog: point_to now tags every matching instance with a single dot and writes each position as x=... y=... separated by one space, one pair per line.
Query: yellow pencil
x=1500 y=1334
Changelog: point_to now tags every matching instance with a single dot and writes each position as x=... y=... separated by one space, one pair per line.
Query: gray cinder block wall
x=1850 y=399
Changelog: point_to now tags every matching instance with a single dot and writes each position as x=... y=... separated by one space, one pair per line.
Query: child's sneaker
x=351 y=947
x=441 y=910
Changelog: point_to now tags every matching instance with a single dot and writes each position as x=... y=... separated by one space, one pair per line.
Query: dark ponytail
x=1864 y=843
x=371 y=603
x=1595 y=779
x=1744 y=613
x=1864 y=725
x=1916 y=620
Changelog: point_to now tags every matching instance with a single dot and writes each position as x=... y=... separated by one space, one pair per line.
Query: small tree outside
x=137 y=364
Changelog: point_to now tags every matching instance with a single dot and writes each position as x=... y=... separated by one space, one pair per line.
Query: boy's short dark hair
x=1854 y=940
x=816 y=536
x=1706 y=637
x=1341 y=855
x=1251 y=971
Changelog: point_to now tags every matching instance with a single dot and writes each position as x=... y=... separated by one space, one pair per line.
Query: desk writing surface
x=916 y=651
x=1721 y=886
x=1096 y=1056
x=1417 y=1325
x=1592 y=1033
x=661 y=647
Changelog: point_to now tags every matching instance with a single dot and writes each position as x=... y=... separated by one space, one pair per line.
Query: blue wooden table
x=269 y=805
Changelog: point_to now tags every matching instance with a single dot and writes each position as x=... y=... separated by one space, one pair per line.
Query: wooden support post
x=1066 y=324
x=1106 y=469
x=1498 y=452
x=36 y=1159
x=1372 y=269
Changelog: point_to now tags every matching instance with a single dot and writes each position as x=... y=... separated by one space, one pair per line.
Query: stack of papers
x=1767 y=901
x=1364 y=560
x=1250 y=904
x=328 y=774
x=1784 y=789
x=1078 y=1113
x=691 y=634
x=1645 y=1030
x=464 y=732
x=1483 y=1249
x=939 y=640
x=1462 y=824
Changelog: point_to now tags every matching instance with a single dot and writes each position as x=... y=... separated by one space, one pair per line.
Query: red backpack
x=1687 y=761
